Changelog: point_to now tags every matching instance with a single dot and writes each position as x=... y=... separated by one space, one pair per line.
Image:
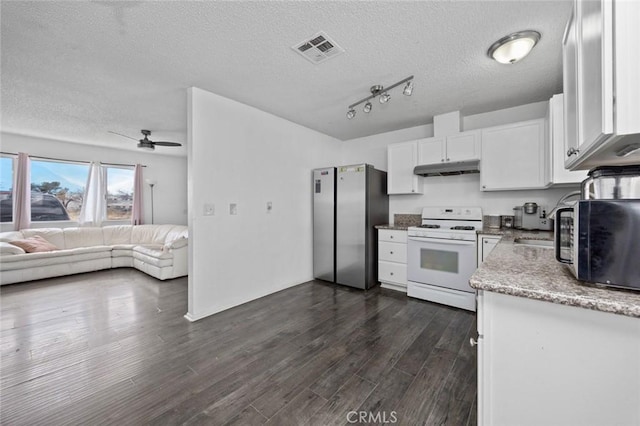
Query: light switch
x=233 y=208
x=209 y=209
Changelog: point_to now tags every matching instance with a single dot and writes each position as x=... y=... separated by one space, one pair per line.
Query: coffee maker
x=531 y=217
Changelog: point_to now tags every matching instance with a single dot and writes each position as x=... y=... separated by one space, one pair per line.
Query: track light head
x=367 y=107
x=384 y=98
x=351 y=113
x=408 y=89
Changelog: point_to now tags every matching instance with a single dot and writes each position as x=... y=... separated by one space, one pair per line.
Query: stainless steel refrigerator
x=348 y=201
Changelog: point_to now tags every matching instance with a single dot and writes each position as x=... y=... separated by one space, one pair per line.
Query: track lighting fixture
x=383 y=93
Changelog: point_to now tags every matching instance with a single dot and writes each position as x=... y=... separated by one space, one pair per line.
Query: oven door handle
x=442 y=241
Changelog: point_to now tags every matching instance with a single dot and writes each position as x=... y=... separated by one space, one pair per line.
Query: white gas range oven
x=441 y=256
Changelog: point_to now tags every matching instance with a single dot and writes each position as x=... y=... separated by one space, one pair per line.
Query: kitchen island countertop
x=534 y=273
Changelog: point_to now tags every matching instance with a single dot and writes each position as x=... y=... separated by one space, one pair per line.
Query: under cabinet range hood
x=448 y=168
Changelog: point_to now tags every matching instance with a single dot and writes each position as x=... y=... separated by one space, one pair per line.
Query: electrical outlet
x=233 y=208
x=269 y=206
x=209 y=209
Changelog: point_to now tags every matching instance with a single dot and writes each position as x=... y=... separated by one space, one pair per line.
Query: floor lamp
x=151 y=183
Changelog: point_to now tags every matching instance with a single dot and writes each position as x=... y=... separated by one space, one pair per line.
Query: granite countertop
x=392 y=227
x=533 y=272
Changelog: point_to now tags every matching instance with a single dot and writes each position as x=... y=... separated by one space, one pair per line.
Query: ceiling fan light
x=514 y=47
x=351 y=113
x=408 y=89
x=384 y=98
x=367 y=107
x=146 y=146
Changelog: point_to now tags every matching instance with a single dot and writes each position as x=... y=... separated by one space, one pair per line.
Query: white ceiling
x=74 y=70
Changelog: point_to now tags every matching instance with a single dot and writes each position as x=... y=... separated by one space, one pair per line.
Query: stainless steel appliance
x=612 y=183
x=348 y=202
x=532 y=217
x=600 y=240
x=441 y=256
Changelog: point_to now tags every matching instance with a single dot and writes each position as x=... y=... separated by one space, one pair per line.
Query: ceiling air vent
x=318 y=48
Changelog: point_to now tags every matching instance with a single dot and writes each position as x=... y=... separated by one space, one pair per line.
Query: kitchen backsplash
x=407 y=219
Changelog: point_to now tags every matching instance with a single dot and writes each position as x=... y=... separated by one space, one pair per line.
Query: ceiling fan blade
x=124 y=136
x=167 y=143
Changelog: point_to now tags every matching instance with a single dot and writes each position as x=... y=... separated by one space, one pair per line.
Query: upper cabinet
x=401 y=160
x=458 y=147
x=556 y=134
x=601 y=64
x=515 y=156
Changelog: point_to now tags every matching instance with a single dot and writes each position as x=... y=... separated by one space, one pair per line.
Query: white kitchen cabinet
x=556 y=134
x=541 y=363
x=486 y=243
x=401 y=160
x=515 y=156
x=392 y=259
x=601 y=62
x=458 y=147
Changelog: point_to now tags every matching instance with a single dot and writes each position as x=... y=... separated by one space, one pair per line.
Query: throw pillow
x=6 y=248
x=35 y=244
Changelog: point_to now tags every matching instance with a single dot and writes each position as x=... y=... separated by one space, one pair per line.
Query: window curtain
x=22 y=193
x=94 y=205
x=136 y=213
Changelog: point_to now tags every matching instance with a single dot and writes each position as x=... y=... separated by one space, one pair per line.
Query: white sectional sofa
x=157 y=250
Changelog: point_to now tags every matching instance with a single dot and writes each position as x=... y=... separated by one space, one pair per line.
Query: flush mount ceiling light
x=512 y=48
x=383 y=92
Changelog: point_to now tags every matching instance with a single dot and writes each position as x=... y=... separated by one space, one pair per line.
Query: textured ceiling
x=74 y=70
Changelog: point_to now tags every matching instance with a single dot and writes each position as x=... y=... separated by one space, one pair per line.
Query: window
x=6 y=189
x=57 y=189
x=119 y=192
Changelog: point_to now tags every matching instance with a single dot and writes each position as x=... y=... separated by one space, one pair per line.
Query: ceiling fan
x=146 y=143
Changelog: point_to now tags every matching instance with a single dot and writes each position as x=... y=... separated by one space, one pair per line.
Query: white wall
x=170 y=172
x=239 y=154
x=461 y=190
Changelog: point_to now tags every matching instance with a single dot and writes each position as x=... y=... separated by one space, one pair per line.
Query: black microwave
x=600 y=241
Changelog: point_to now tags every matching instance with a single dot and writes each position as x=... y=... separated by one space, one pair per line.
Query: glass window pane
x=57 y=190
x=6 y=189
x=439 y=260
x=119 y=193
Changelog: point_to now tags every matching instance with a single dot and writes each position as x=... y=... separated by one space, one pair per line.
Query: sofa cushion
x=9 y=249
x=150 y=234
x=53 y=235
x=32 y=260
x=82 y=237
x=155 y=257
x=117 y=234
x=11 y=235
x=35 y=244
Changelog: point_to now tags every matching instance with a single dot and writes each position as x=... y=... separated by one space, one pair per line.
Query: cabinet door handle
x=448 y=159
x=473 y=342
x=442 y=160
x=486 y=242
x=391 y=236
x=392 y=273
x=391 y=252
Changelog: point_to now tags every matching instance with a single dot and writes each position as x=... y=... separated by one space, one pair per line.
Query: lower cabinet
x=486 y=243
x=392 y=259
x=541 y=363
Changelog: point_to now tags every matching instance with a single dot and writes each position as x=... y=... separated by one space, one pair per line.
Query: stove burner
x=429 y=226
x=462 y=228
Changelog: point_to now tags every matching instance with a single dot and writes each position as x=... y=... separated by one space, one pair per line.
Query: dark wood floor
x=112 y=347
